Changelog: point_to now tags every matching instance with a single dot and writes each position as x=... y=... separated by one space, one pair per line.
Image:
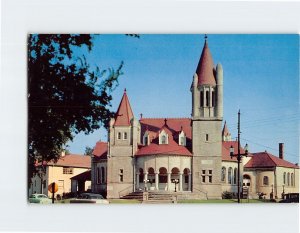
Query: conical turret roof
x=124 y=114
x=225 y=131
x=205 y=68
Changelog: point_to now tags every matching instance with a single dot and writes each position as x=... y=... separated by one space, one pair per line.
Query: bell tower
x=207 y=116
x=124 y=136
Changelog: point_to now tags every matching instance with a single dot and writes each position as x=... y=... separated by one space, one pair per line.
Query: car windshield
x=32 y=196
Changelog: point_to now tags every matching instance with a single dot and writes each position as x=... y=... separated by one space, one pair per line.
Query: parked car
x=290 y=198
x=39 y=198
x=90 y=198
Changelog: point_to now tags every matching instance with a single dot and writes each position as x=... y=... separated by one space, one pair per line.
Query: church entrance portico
x=163 y=173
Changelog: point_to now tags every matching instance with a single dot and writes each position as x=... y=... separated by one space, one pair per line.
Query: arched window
x=163 y=175
x=186 y=172
x=266 y=180
x=163 y=139
x=292 y=179
x=98 y=176
x=213 y=98
x=207 y=98
x=201 y=99
x=284 y=177
x=119 y=135
x=223 y=174
x=151 y=171
x=151 y=175
x=102 y=175
x=235 y=176
x=125 y=136
x=229 y=175
x=288 y=179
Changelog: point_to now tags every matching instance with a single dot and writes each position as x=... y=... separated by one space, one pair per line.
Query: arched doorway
x=246 y=180
x=163 y=178
x=151 y=178
x=246 y=185
x=186 y=180
x=174 y=179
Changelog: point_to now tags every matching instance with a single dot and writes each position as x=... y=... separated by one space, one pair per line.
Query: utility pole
x=239 y=155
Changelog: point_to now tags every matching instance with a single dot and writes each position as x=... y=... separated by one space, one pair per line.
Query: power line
x=293 y=155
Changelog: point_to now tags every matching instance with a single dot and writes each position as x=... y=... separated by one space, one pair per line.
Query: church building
x=190 y=156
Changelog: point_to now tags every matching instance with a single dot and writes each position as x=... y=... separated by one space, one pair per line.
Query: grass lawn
x=224 y=201
x=124 y=201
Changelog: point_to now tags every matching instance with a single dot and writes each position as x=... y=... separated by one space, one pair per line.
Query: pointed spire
x=225 y=133
x=124 y=114
x=205 y=68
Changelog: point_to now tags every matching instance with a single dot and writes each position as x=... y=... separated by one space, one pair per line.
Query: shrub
x=227 y=195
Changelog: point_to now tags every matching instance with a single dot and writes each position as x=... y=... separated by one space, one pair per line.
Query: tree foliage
x=88 y=151
x=65 y=95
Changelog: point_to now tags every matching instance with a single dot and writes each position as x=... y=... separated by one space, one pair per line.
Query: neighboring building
x=61 y=173
x=261 y=172
x=271 y=175
x=157 y=153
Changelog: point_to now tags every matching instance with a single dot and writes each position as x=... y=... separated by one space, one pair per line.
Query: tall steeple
x=205 y=68
x=207 y=87
x=207 y=116
x=124 y=114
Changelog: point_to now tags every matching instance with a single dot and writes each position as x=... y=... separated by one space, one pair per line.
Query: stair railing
x=124 y=191
x=202 y=192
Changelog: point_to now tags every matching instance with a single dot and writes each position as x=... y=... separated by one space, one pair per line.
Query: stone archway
x=175 y=179
x=162 y=178
x=246 y=180
x=186 y=184
x=151 y=178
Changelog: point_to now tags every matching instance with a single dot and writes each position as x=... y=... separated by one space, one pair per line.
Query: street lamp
x=239 y=155
x=175 y=181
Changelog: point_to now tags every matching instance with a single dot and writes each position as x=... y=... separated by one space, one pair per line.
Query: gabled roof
x=226 y=150
x=153 y=125
x=124 y=114
x=205 y=68
x=100 y=150
x=225 y=131
x=265 y=159
x=84 y=176
x=172 y=126
x=71 y=160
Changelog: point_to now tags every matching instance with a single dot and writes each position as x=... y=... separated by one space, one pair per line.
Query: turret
x=219 y=100
x=195 y=96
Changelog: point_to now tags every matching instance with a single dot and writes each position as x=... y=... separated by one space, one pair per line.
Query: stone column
x=180 y=182
x=156 y=181
x=145 y=178
x=137 y=185
x=190 y=182
x=169 y=181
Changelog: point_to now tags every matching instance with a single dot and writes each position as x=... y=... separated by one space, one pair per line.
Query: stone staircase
x=152 y=197
x=156 y=197
x=134 y=195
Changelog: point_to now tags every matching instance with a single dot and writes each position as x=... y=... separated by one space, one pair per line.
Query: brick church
x=189 y=156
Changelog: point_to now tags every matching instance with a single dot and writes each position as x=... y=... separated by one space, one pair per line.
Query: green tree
x=65 y=95
x=88 y=151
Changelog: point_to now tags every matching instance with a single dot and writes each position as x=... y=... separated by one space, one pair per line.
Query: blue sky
x=261 y=78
